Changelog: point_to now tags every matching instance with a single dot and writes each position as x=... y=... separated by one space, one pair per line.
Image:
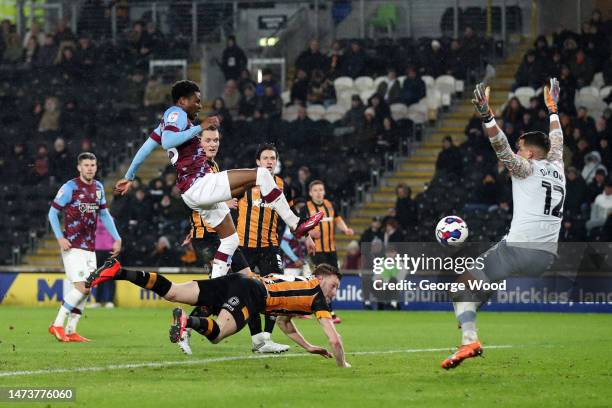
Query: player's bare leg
x=270 y=193
x=213 y=330
x=72 y=309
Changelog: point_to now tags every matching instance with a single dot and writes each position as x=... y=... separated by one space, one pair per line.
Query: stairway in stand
x=418 y=169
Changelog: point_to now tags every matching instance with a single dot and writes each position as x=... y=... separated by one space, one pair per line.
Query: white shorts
x=208 y=195
x=78 y=264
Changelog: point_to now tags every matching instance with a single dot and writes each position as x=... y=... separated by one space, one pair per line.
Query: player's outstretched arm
x=123 y=186
x=555 y=134
x=334 y=340
x=518 y=166
x=286 y=325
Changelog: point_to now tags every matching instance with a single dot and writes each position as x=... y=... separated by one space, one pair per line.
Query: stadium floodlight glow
x=268 y=41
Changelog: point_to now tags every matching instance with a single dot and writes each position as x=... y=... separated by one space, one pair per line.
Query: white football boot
x=262 y=343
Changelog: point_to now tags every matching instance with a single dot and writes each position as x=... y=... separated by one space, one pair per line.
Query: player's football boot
x=179 y=324
x=307 y=224
x=262 y=343
x=464 y=352
x=77 y=338
x=58 y=332
x=336 y=319
x=184 y=342
x=106 y=272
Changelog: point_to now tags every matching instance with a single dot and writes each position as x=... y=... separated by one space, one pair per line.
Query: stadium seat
x=337 y=109
x=429 y=81
x=598 y=80
x=377 y=81
x=401 y=79
x=286 y=97
x=459 y=86
x=315 y=112
x=364 y=83
x=343 y=83
x=434 y=99
x=605 y=91
x=333 y=116
x=290 y=113
x=589 y=91
x=445 y=84
x=399 y=111
x=417 y=113
x=523 y=94
x=366 y=95
x=344 y=99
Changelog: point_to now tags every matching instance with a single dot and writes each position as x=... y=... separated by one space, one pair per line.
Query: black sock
x=152 y=281
x=255 y=324
x=270 y=322
x=207 y=327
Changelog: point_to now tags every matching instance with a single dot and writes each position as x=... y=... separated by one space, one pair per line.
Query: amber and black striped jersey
x=327 y=241
x=257 y=221
x=294 y=295
x=199 y=228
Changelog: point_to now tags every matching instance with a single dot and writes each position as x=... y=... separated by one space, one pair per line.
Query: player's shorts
x=264 y=261
x=206 y=248
x=208 y=195
x=330 y=258
x=504 y=260
x=241 y=296
x=78 y=264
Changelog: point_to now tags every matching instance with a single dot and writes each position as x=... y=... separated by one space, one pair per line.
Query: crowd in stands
x=484 y=197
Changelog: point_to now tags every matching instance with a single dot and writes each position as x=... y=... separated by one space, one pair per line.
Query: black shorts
x=241 y=296
x=264 y=261
x=207 y=247
x=325 y=257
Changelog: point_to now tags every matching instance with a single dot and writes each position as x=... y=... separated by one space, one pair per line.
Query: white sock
x=73 y=319
x=267 y=185
x=466 y=315
x=219 y=268
x=223 y=257
x=71 y=300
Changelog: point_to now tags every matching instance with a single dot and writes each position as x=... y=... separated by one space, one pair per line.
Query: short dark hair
x=263 y=147
x=537 y=139
x=184 y=88
x=314 y=183
x=86 y=156
x=327 y=270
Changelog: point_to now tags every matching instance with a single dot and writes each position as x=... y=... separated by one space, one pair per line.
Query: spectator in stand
x=231 y=97
x=390 y=88
x=335 y=60
x=61 y=161
x=300 y=134
x=605 y=151
x=248 y=104
x=163 y=254
x=581 y=151
x=353 y=257
x=456 y=61
x=34 y=32
x=140 y=208
x=433 y=61
x=16 y=168
x=85 y=54
x=245 y=80
x=413 y=89
x=267 y=80
x=67 y=64
x=13 y=53
x=134 y=87
x=449 y=159
x=366 y=134
x=46 y=55
x=39 y=170
x=156 y=94
x=171 y=209
x=530 y=72
x=542 y=52
x=354 y=117
x=270 y=103
x=233 y=60
x=601 y=209
x=471 y=48
x=555 y=64
x=30 y=55
x=381 y=108
x=592 y=163
x=387 y=138
x=153 y=40
x=373 y=233
x=486 y=195
x=225 y=118
x=596 y=186
x=136 y=36
x=301 y=184
x=513 y=112
x=312 y=59
x=572 y=231
x=63 y=33
x=299 y=89
x=586 y=124
x=576 y=194
x=50 y=118
x=355 y=61
x=568 y=85
x=392 y=232
x=320 y=89
x=405 y=207
x=582 y=68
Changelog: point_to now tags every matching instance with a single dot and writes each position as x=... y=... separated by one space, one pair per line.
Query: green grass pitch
x=551 y=360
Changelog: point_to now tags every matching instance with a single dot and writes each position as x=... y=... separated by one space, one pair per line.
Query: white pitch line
x=204 y=361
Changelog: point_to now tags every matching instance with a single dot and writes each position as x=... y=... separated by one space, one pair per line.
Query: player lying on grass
x=236 y=297
x=202 y=189
x=538 y=191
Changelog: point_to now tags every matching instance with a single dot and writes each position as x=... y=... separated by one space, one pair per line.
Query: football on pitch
x=451 y=231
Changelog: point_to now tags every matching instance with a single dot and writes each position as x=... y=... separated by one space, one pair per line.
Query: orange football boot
x=58 y=332
x=77 y=338
x=466 y=351
x=106 y=272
